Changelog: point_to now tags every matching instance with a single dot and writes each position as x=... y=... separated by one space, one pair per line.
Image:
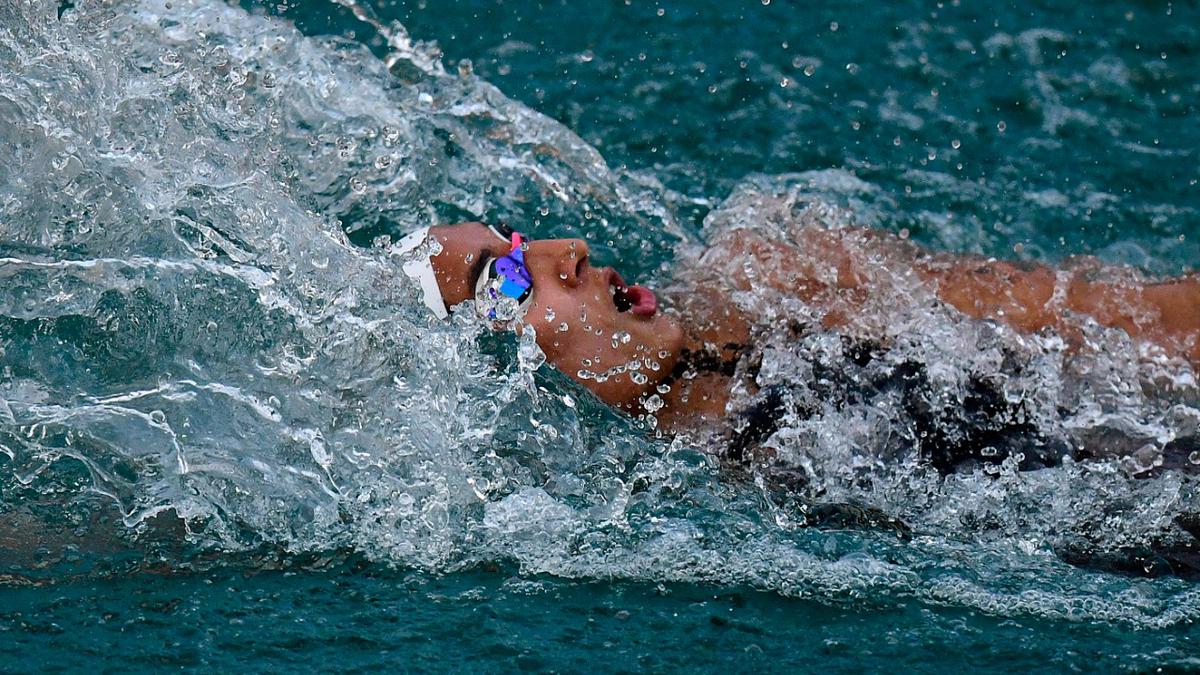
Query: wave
x=204 y=337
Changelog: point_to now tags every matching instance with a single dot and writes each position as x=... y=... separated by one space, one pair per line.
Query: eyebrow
x=481 y=259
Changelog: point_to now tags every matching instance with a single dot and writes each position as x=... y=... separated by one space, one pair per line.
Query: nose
x=568 y=258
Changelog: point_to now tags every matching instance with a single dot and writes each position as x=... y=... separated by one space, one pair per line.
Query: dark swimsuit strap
x=706 y=361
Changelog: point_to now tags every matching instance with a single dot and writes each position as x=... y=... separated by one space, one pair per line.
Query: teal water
x=230 y=439
x=356 y=620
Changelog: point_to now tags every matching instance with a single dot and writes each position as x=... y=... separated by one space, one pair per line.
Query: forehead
x=472 y=238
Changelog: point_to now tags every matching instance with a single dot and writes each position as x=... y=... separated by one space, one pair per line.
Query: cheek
x=562 y=313
x=558 y=326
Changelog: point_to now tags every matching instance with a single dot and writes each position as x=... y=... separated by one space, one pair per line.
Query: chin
x=670 y=334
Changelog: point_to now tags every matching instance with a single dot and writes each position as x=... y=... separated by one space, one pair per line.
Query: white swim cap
x=420 y=268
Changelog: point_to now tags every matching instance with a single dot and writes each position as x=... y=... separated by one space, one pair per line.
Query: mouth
x=637 y=300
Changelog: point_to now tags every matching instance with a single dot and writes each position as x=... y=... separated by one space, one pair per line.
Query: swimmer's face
x=618 y=347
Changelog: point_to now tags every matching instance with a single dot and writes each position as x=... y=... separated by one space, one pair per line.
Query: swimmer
x=615 y=339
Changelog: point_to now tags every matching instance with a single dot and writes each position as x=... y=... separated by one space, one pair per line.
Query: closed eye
x=503 y=231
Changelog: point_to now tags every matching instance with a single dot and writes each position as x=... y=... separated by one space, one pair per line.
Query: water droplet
x=638 y=378
x=653 y=403
x=956 y=144
x=562 y=327
x=1001 y=126
x=809 y=70
x=833 y=26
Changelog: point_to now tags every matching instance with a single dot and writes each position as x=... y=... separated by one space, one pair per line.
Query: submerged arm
x=839 y=270
x=1034 y=297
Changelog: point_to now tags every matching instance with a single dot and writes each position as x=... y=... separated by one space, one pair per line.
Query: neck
x=700 y=384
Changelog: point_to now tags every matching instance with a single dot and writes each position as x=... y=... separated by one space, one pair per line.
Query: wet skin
x=576 y=317
x=578 y=324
